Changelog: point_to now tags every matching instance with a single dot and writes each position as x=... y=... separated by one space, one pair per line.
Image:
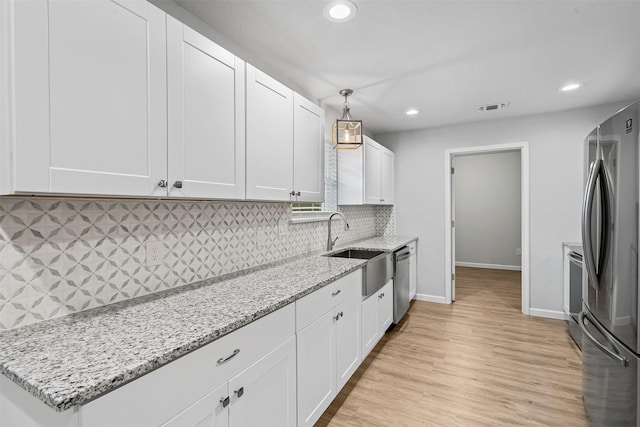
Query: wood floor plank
x=477 y=362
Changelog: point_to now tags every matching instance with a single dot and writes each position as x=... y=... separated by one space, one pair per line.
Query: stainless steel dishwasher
x=401 y=283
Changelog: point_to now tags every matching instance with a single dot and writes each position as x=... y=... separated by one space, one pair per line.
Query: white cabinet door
x=308 y=150
x=316 y=369
x=265 y=393
x=385 y=308
x=413 y=274
x=91 y=86
x=206 y=412
x=369 y=318
x=206 y=117
x=348 y=354
x=372 y=171
x=386 y=186
x=269 y=124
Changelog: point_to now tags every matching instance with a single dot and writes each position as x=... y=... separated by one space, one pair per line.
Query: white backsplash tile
x=60 y=256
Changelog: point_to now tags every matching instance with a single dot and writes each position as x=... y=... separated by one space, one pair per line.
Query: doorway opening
x=468 y=268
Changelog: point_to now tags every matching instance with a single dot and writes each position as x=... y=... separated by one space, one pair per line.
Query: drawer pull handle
x=224 y=401
x=231 y=356
x=335 y=293
x=381 y=295
x=339 y=315
x=240 y=392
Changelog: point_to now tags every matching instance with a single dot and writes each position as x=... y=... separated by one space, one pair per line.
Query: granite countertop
x=71 y=360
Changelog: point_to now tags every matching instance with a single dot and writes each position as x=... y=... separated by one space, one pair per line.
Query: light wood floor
x=477 y=362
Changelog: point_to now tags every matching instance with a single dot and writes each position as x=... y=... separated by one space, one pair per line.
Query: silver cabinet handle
x=339 y=315
x=298 y=194
x=381 y=295
x=229 y=357
x=162 y=183
x=293 y=193
x=224 y=401
x=335 y=293
x=239 y=392
x=620 y=359
x=382 y=200
x=177 y=184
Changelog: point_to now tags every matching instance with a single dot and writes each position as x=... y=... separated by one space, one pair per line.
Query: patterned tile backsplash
x=60 y=256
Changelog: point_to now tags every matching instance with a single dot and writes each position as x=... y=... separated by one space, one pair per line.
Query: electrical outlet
x=154 y=253
x=518 y=251
x=283 y=228
x=260 y=236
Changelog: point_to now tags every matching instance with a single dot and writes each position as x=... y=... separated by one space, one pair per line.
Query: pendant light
x=346 y=132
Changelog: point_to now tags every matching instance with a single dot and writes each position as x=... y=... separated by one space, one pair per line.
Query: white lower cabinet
x=181 y=393
x=329 y=347
x=377 y=316
x=262 y=395
x=265 y=393
x=207 y=411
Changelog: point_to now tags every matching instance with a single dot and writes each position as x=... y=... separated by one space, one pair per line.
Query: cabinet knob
x=382 y=200
x=177 y=184
x=381 y=295
x=333 y=294
x=162 y=183
x=240 y=392
x=298 y=193
x=224 y=401
x=293 y=193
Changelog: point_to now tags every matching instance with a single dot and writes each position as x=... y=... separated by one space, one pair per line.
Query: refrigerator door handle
x=623 y=361
x=587 y=204
x=607 y=194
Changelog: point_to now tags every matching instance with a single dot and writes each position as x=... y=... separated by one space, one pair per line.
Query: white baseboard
x=492 y=266
x=431 y=298
x=550 y=314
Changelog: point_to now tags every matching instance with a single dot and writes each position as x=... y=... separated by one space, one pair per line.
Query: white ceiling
x=443 y=57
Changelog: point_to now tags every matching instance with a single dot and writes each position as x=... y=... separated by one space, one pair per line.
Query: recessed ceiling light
x=412 y=112
x=571 y=86
x=340 y=10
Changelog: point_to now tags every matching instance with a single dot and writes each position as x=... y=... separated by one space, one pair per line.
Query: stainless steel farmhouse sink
x=356 y=253
x=377 y=272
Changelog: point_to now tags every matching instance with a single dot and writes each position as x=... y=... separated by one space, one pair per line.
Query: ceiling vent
x=492 y=107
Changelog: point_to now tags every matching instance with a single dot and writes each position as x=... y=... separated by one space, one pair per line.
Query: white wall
x=555 y=147
x=487 y=208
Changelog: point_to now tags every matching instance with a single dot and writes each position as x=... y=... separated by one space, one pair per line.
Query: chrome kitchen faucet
x=331 y=242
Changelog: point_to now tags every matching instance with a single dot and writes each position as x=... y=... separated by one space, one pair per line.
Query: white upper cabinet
x=284 y=142
x=90 y=97
x=386 y=176
x=365 y=175
x=206 y=117
x=308 y=150
x=269 y=137
x=372 y=172
x=115 y=98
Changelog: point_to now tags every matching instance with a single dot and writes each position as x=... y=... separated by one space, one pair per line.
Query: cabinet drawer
x=160 y=395
x=314 y=305
x=249 y=343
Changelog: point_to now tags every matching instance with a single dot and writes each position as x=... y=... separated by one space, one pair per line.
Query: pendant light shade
x=346 y=132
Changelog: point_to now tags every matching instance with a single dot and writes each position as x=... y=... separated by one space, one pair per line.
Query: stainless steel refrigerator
x=609 y=317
